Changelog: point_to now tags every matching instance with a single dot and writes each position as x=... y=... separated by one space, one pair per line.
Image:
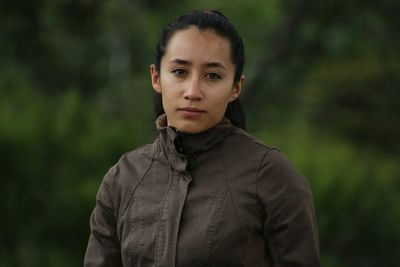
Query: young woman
x=205 y=193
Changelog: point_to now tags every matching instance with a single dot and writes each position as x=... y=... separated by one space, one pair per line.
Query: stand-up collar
x=193 y=144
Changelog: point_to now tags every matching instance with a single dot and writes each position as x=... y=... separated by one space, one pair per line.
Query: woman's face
x=196 y=79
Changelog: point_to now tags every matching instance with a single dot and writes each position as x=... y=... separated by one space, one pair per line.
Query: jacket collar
x=193 y=145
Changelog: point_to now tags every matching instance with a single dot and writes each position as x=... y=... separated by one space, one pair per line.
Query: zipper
x=178 y=141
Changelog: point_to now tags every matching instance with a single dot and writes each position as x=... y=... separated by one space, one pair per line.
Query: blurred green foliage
x=356 y=195
x=322 y=84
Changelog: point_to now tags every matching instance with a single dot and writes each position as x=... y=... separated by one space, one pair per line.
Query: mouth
x=190 y=109
x=190 y=112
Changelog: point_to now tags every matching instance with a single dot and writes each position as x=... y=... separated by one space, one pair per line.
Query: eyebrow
x=215 y=65
x=209 y=64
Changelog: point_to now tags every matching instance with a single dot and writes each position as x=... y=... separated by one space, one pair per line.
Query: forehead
x=198 y=45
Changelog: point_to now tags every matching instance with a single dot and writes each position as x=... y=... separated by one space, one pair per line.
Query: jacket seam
x=211 y=230
x=252 y=139
x=235 y=202
x=273 y=248
x=132 y=198
x=137 y=184
x=131 y=224
x=162 y=211
x=109 y=246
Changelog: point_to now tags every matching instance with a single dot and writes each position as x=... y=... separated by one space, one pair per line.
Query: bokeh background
x=323 y=85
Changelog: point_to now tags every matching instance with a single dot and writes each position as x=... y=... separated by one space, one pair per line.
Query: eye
x=179 y=72
x=213 y=76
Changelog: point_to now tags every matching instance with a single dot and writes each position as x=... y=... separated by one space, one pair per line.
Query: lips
x=190 y=112
x=190 y=109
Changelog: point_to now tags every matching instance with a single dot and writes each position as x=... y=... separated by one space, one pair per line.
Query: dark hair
x=204 y=19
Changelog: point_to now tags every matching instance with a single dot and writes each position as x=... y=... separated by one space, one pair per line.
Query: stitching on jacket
x=132 y=201
x=270 y=241
x=235 y=203
x=201 y=252
x=210 y=231
x=138 y=182
x=131 y=235
x=112 y=244
x=252 y=139
x=163 y=210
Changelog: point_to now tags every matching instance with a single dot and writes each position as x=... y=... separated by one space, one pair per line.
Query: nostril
x=193 y=92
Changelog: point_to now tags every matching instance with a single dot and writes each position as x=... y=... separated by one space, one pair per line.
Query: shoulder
x=244 y=152
x=242 y=139
x=274 y=169
x=270 y=155
x=138 y=156
x=124 y=175
x=278 y=175
x=130 y=166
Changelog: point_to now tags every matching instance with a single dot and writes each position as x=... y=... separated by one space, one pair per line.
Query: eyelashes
x=213 y=76
x=180 y=73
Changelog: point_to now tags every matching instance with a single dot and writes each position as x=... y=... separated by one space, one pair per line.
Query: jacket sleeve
x=290 y=229
x=104 y=248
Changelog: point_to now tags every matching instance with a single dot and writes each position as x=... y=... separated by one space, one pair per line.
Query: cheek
x=170 y=96
x=219 y=104
x=167 y=100
x=221 y=97
x=165 y=85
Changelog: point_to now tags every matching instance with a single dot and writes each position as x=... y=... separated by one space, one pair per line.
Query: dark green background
x=323 y=85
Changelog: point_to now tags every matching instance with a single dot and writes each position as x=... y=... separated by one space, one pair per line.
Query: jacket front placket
x=171 y=210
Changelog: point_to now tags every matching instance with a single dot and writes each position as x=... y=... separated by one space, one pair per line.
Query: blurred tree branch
x=277 y=48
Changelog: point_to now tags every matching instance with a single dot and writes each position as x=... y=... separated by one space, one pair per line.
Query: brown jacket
x=219 y=198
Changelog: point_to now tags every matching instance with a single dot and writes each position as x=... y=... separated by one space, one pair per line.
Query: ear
x=155 y=78
x=237 y=88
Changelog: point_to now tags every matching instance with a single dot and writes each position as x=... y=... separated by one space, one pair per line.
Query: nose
x=193 y=90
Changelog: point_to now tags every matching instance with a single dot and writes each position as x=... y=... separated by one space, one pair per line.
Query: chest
x=201 y=217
